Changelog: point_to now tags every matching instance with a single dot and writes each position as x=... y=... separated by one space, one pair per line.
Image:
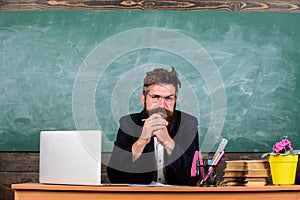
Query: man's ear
x=143 y=99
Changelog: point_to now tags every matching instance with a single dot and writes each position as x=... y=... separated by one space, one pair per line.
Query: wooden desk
x=40 y=191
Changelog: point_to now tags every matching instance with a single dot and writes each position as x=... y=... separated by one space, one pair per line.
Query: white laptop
x=70 y=157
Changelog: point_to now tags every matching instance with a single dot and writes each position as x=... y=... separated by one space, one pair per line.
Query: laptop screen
x=70 y=157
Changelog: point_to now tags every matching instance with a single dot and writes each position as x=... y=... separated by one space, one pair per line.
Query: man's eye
x=169 y=98
x=156 y=97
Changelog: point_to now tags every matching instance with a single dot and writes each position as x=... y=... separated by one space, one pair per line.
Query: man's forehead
x=167 y=88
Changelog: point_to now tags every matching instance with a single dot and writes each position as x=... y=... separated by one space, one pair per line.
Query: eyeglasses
x=156 y=98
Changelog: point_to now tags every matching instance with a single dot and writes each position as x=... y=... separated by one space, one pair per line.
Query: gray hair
x=161 y=76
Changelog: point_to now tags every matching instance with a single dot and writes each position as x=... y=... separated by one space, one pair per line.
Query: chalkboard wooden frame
x=225 y=5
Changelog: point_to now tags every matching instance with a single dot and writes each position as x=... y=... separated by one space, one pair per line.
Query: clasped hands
x=156 y=126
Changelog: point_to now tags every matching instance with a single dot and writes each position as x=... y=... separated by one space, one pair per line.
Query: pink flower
x=282 y=146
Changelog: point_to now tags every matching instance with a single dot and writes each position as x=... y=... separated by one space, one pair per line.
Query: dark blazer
x=177 y=169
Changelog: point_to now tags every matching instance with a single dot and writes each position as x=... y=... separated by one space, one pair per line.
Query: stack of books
x=246 y=173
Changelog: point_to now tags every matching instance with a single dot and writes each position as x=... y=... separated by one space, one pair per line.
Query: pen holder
x=210 y=176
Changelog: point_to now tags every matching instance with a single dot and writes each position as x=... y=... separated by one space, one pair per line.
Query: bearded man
x=157 y=144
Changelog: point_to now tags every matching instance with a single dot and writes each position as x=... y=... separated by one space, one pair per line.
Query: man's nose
x=162 y=102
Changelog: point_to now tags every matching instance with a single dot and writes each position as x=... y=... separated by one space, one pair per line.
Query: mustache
x=166 y=114
x=161 y=111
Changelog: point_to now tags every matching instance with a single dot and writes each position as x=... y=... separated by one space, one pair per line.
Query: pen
x=163 y=117
x=194 y=165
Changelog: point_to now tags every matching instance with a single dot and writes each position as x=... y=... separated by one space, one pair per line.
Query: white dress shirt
x=159 y=158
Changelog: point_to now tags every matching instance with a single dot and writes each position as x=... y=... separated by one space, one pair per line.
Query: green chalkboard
x=64 y=70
